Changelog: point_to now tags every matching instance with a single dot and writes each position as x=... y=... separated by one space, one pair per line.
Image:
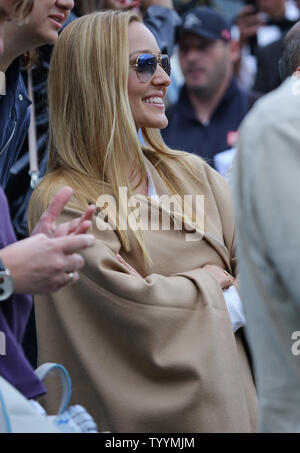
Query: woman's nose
x=66 y=4
x=161 y=77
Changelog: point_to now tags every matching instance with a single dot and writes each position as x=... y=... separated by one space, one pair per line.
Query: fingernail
x=90 y=239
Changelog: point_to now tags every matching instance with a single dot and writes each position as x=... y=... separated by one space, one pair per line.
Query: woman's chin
x=159 y=122
x=164 y=123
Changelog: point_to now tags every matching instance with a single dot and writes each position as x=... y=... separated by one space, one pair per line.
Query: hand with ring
x=49 y=259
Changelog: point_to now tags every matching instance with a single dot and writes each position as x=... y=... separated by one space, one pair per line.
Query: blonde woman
x=145 y=332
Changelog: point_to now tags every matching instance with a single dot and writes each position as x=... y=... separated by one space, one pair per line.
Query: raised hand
x=47 y=223
x=49 y=259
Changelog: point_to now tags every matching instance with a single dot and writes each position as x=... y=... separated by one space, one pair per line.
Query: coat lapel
x=162 y=189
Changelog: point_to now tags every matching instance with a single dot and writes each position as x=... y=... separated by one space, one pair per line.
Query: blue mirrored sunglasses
x=146 y=65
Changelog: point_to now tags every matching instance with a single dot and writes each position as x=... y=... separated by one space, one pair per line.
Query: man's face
x=204 y=63
x=6 y=7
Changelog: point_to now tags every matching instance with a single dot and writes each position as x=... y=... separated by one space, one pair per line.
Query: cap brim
x=200 y=32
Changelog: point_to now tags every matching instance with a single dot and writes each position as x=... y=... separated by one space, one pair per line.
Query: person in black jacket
x=262 y=27
x=267 y=76
x=278 y=60
x=45 y=262
x=161 y=19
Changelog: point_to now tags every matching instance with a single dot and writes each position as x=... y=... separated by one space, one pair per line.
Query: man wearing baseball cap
x=211 y=105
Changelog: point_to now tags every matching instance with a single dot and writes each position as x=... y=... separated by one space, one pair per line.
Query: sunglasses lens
x=165 y=63
x=147 y=64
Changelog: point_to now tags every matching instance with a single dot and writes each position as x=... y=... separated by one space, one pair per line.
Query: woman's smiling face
x=146 y=99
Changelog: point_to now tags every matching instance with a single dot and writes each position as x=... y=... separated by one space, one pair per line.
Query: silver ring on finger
x=71 y=278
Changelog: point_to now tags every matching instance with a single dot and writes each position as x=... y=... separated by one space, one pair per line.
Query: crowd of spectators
x=209 y=117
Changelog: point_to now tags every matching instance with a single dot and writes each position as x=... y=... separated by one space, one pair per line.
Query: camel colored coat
x=153 y=354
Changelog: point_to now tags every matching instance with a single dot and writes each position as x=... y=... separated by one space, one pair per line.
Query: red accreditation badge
x=232 y=138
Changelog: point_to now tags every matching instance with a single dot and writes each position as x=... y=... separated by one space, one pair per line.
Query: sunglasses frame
x=158 y=62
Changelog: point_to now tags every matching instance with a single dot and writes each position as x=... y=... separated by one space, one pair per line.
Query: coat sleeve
x=104 y=269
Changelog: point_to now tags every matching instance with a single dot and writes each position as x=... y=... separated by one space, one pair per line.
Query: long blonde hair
x=92 y=131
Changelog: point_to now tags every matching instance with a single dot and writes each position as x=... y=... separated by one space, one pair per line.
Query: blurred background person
x=211 y=105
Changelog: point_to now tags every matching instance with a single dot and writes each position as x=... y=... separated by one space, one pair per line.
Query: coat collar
x=163 y=204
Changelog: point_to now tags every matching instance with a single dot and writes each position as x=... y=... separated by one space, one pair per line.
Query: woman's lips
x=56 y=22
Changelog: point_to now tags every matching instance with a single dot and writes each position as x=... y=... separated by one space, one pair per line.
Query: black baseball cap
x=205 y=22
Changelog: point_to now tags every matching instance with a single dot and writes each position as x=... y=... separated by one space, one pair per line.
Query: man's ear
x=234 y=51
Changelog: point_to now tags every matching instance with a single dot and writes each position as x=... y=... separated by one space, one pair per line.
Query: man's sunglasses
x=146 y=65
